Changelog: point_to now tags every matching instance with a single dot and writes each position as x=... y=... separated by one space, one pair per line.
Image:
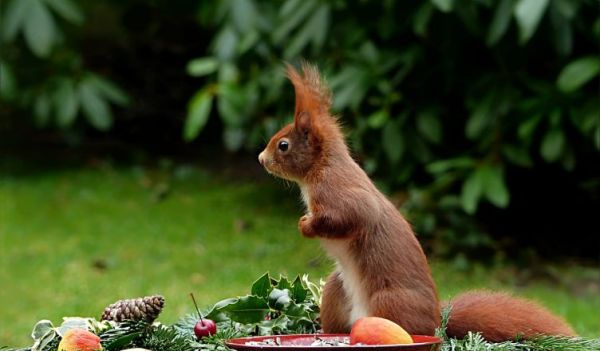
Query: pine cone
x=143 y=308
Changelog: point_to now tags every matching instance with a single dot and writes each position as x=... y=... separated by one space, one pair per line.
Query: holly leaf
x=262 y=286
x=246 y=310
x=299 y=292
x=283 y=283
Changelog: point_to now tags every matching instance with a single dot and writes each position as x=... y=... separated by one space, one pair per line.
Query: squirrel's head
x=313 y=137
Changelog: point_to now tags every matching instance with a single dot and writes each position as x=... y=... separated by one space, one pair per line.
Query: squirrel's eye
x=283 y=145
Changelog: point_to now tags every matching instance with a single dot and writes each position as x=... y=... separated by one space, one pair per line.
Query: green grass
x=75 y=240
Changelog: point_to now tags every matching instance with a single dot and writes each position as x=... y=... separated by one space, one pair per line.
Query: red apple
x=79 y=340
x=378 y=331
x=205 y=327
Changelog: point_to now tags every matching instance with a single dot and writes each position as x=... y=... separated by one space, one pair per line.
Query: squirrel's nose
x=261 y=158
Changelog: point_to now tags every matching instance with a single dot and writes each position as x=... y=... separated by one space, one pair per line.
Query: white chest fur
x=305 y=197
x=351 y=279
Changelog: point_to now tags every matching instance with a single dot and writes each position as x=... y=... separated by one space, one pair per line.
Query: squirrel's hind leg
x=335 y=306
x=416 y=313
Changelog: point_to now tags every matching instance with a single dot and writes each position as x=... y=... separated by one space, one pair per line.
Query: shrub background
x=482 y=118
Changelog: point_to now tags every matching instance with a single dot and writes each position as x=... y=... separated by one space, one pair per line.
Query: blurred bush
x=444 y=97
x=41 y=68
x=453 y=100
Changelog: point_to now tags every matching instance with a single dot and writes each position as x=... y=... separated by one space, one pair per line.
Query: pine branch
x=166 y=339
x=475 y=342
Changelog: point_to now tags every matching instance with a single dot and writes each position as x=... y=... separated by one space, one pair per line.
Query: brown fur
x=500 y=316
x=381 y=265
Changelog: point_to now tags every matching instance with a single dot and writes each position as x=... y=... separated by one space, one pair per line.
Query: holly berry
x=204 y=327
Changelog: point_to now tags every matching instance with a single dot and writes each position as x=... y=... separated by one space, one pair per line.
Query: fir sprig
x=167 y=338
x=475 y=342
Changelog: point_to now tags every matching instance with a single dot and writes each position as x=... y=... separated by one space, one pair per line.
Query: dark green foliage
x=445 y=97
x=42 y=70
x=453 y=100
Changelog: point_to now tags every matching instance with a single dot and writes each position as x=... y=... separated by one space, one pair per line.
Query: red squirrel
x=381 y=269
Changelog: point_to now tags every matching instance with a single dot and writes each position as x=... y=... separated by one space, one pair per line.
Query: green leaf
x=480 y=117
x=67 y=9
x=349 y=87
x=289 y=21
x=429 y=126
x=447 y=165
x=494 y=186
x=297 y=311
x=283 y=283
x=8 y=85
x=109 y=90
x=247 y=309
x=198 y=113
x=315 y=290
x=378 y=119
x=444 y=5
x=577 y=73
x=244 y=14
x=66 y=102
x=202 y=66
x=225 y=44
x=393 y=142
x=528 y=14
x=41 y=328
x=232 y=105
x=262 y=286
x=320 y=23
x=43 y=333
x=561 y=28
x=552 y=145
x=517 y=155
x=500 y=22
x=288 y=8
x=15 y=13
x=39 y=29
x=471 y=191
x=234 y=138
x=422 y=19
x=94 y=107
x=315 y=30
x=41 y=109
x=228 y=73
x=299 y=291
x=527 y=128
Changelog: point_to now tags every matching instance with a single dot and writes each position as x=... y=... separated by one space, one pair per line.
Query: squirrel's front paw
x=305 y=227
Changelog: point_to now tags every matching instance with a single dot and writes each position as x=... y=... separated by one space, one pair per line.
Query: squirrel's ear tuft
x=313 y=99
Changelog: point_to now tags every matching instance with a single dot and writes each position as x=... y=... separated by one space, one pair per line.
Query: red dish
x=301 y=342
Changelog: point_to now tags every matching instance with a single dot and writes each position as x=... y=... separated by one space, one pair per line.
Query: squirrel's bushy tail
x=501 y=317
